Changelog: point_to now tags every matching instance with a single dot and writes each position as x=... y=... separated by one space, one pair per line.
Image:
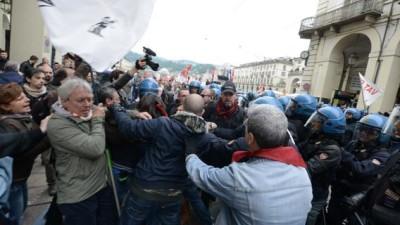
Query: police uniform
x=359 y=169
x=322 y=156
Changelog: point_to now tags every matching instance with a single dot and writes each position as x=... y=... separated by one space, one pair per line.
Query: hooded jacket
x=79 y=146
x=163 y=163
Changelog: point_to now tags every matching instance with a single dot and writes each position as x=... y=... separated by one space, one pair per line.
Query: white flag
x=99 y=31
x=370 y=91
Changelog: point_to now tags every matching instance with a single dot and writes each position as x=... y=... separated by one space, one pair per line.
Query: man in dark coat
x=160 y=177
x=226 y=112
x=28 y=65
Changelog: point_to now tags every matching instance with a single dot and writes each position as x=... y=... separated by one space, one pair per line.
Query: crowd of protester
x=138 y=147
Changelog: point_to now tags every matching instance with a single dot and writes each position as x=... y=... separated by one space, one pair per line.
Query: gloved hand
x=190 y=145
x=347 y=157
x=116 y=108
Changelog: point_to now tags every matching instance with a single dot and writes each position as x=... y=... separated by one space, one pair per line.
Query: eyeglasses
x=205 y=96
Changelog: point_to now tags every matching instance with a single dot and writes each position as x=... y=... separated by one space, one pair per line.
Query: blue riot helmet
x=328 y=120
x=214 y=85
x=284 y=100
x=322 y=105
x=202 y=87
x=370 y=129
x=148 y=86
x=352 y=115
x=392 y=126
x=301 y=107
x=250 y=96
x=269 y=93
x=267 y=101
x=217 y=92
x=195 y=87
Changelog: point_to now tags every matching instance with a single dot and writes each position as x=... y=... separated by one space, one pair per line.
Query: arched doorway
x=351 y=55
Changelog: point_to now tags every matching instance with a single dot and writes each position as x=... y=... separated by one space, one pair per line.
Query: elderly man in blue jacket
x=268 y=184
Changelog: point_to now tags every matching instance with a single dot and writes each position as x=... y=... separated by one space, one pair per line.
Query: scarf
x=60 y=110
x=35 y=92
x=161 y=109
x=287 y=155
x=226 y=113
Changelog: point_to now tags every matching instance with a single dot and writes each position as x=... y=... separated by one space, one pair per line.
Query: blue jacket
x=11 y=76
x=5 y=180
x=163 y=163
x=256 y=192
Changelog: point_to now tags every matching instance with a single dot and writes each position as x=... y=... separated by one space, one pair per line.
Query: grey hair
x=268 y=124
x=65 y=90
x=11 y=66
x=163 y=72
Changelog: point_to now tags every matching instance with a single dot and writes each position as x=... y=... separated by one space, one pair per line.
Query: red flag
x=185 y=71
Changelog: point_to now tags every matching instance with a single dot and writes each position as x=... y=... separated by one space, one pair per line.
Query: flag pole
x=365 y=105
x=112 y=180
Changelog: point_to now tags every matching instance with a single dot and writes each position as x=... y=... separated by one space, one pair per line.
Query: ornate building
x=348 y=37
x=276 y=74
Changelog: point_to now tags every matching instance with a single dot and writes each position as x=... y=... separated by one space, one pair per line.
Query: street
x=38 y=199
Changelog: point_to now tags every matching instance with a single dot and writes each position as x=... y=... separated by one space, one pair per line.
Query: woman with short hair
x=15 y=117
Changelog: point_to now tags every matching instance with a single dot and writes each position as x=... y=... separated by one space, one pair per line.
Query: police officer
x=284 y=100
x=362 y=160
x=352 y=116
x=322 y=153
x=269 y=93
x=392 y=130
x=385 y=196
x=298 y=111
x=148 y=86
x=194 y=87
x=250 y=96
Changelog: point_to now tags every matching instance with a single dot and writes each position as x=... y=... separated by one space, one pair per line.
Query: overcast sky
x=227 y=31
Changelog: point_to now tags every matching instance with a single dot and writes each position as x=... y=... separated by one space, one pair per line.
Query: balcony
x=353 y=12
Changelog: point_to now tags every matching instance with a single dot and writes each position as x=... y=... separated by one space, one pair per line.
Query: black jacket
x=26 y=67
x=360 y=166
x=125 y=153
x=23 y=162
x=322 y=156
x=12 y=144
x=233 y=122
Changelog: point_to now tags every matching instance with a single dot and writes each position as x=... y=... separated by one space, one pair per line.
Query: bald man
x=160 y=177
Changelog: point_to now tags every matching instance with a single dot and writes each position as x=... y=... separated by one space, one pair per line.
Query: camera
x=148 y=57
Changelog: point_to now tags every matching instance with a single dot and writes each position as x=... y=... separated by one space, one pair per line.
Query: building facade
x=348 y=37
x=281 y=74
x=22 y=31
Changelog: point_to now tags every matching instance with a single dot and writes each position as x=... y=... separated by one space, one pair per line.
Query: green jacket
x=80 y=159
